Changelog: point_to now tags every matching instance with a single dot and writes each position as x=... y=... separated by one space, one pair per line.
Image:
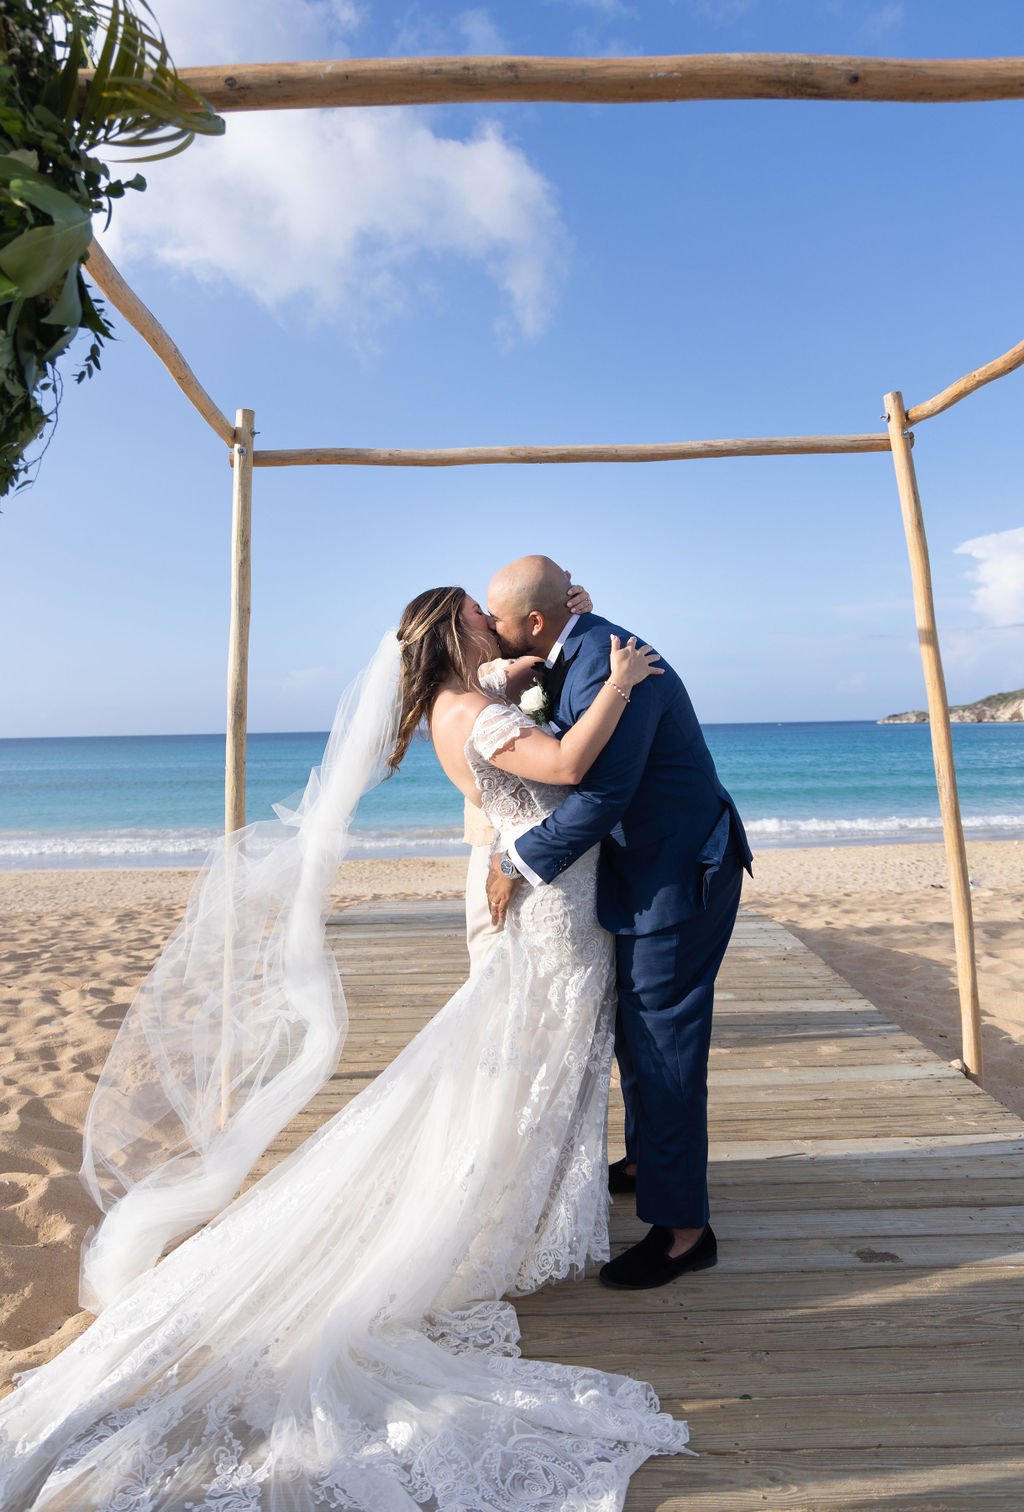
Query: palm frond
x=132 y=97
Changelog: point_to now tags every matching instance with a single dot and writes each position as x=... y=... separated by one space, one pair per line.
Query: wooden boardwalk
x=859 y=1344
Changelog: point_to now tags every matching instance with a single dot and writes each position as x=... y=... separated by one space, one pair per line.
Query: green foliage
x=51 y=184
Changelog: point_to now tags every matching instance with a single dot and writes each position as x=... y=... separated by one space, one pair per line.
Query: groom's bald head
x=527 y=601
x=532 y=582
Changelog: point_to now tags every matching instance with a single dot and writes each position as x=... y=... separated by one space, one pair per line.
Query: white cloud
x=998 y=594
x=256 y=31
x=337 y=208
x=345 y=211
x=720 y=12
x=429 y=33
x=480 y=35
x=605 y=7
x=881 y=21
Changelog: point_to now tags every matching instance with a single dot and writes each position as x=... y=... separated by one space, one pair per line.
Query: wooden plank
x=771 y=1373
x=979 y=1302
x=892 y=1419
x=782 y=1078
x=902 y=1479
x=770 y=1256
x=961 y=1172
x=788 y=1224
x=877 y=1145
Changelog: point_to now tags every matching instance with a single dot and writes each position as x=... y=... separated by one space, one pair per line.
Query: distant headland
x=997 y=708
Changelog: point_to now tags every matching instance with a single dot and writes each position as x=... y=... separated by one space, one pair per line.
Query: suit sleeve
x=592 y=811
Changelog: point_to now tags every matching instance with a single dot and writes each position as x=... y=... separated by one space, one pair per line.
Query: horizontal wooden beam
x=702 y=76
x=470 y=456
x=124 y=299
x=997 y=368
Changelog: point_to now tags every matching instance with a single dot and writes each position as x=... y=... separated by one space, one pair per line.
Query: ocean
x=157 y=800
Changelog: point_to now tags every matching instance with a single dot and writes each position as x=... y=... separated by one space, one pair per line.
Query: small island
x=997 y=708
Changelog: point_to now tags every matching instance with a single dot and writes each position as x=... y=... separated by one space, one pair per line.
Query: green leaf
x=62 y=209
x=13 y=165
x=68 y=309
x=135 y=97
x=8 y=289
x=63 y=341
x=38 y=258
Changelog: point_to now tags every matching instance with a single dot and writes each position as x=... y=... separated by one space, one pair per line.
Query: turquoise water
x=157 y=800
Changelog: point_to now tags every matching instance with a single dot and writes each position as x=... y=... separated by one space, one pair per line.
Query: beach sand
x=78 y=943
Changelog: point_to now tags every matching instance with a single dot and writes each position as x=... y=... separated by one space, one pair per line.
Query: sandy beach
x=77 y=944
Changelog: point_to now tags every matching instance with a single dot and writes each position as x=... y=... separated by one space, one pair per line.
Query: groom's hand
x=500 y=891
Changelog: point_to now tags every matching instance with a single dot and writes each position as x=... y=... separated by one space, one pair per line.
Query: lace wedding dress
x=336 y=1337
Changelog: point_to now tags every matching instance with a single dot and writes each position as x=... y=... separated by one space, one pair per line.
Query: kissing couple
x=339 y=1336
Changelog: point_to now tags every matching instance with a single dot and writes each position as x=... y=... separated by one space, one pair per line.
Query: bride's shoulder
x=455 y=712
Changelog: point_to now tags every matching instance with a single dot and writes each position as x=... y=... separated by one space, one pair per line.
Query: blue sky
x=545 y=273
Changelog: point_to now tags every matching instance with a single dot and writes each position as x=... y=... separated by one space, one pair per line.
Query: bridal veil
x=243 y=1016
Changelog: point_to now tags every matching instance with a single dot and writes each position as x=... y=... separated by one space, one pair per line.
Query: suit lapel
x=554 y=677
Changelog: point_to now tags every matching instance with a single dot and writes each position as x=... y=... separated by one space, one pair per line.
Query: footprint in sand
x=11 y=1192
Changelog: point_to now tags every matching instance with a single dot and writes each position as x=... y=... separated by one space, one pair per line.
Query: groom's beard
x=520 y=647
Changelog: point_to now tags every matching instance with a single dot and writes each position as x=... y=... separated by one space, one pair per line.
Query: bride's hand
x=631 y=664
x=520 y=672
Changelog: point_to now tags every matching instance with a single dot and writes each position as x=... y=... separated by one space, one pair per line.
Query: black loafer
x=619 y=1179
x=648 y=1264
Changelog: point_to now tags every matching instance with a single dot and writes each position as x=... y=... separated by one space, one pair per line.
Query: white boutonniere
x=536 y=704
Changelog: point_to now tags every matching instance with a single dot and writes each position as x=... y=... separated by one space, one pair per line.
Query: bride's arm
x=541 y=758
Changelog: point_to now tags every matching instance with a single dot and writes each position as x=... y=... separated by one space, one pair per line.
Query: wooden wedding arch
x=750 y=76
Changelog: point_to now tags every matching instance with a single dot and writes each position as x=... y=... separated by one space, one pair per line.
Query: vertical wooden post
x=237 y=712
x=941 y=733
x=238 y=633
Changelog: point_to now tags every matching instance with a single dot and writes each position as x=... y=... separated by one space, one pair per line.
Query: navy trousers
x=666 y=986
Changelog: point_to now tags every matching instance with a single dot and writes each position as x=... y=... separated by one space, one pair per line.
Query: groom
x=672 y=853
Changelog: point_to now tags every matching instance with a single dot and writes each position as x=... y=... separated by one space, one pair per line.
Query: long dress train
x=336 y=1337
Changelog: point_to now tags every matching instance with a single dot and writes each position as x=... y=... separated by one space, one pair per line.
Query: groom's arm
x=585 y=816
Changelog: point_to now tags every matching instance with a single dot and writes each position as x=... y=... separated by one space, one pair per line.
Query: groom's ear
x=536 y=623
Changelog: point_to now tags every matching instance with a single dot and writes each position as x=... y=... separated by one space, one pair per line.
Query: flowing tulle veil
x=243 y=1016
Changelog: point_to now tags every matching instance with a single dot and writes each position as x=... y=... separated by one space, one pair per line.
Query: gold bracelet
x=623 y=696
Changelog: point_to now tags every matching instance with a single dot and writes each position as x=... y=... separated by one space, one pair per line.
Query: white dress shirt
x=556 y=649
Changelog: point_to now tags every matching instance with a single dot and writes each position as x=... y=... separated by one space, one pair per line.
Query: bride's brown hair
x=432 y=652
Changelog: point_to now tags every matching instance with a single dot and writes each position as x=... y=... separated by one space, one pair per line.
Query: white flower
x=534 y=702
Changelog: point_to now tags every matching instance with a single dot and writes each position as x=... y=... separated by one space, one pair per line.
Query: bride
x=336 y=1337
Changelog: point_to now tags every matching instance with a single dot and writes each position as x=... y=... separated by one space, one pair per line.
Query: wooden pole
x=941 y=733
x=701 y=76
x=237 y=711
x=475 y=456
x=124 y=299
x=997 y=368
x=238 y=632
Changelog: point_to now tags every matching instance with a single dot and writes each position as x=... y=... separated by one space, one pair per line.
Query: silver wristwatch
x=508 y=866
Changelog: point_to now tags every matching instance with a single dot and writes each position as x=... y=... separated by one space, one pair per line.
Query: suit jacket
x=652 y=799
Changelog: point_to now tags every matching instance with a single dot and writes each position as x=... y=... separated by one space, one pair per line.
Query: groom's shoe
x=649 y=1264
x=619 y=1179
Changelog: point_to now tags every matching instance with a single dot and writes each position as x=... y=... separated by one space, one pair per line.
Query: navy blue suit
x=672 y=851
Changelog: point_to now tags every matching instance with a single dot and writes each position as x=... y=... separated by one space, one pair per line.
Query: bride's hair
x=433 y=651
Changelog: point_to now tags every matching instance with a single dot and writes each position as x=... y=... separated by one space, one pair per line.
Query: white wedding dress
x=336 y=1337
